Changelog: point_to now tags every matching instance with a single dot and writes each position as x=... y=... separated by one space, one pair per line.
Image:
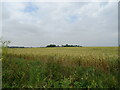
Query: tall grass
x=74 y=67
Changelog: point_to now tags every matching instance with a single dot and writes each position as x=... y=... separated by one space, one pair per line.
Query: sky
x=42 y=23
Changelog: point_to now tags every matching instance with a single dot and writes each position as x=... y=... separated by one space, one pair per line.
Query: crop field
x=60 y=67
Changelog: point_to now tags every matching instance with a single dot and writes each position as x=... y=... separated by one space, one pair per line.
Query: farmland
x=60 y=67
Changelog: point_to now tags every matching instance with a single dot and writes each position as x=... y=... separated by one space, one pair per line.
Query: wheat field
x=61 y=67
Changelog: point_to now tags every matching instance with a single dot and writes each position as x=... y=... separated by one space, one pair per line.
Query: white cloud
x=89 y=24
x=59 y=0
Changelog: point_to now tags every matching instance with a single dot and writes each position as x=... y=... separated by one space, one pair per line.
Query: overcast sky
x=39 y=24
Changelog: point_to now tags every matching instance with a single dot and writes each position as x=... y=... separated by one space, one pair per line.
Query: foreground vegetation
x=61 y=67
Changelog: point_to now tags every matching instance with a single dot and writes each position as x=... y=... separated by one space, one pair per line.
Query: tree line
x=67 y=45
x=50 y=45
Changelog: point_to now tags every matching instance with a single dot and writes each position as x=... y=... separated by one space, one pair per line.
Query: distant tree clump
x=67 y=45
x=51 y=45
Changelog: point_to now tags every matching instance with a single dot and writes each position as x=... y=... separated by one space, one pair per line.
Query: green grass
x=81 y=67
